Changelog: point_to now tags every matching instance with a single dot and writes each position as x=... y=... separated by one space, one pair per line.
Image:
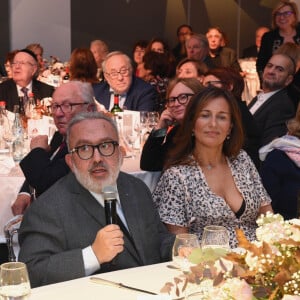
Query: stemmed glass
x=14 y=281
x=131 y=137
x=153 y=118
x=215 y=237
x=183 y=246
x=8 y=136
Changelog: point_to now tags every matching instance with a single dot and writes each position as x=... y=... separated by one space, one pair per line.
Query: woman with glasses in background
x=160 y=140
x=285 y=29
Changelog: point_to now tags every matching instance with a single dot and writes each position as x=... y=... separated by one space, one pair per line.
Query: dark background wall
x=4 y=29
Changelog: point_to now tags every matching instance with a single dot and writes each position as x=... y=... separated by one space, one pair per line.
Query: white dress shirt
x=261 y=99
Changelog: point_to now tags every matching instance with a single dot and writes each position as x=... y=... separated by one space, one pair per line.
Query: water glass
x=14 y=281
x=183 y=246
x=215 y=237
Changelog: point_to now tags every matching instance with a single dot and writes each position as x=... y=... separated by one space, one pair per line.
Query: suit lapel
x=95 y=210
x=252 y=102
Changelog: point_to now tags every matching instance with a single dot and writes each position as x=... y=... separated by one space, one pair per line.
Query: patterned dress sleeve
x=169 y=197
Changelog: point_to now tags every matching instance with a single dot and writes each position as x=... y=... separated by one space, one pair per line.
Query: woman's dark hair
x=201 y=67
x=83 y=66
x=141 y=43
x=184 y=139
x=158 y=63
x=231 y=80
x=293 y=125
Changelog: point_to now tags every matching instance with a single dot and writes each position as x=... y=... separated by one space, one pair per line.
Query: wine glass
x=153 y=118
x=183 y=246
x=215 y=237
x=131 y=137
x=14 y=281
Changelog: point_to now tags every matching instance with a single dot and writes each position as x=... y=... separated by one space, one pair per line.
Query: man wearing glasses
x=45 y=163
x=23 y=82
x=134 y=93
x=64 y=234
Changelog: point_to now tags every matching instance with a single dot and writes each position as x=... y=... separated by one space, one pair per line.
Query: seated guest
x=273 y=107
x=135 y=93
x=183 y=32
x=99 y=49
x=45 y=164
x=232 y=81
x=191 y=68
x=280 y=170
x=253 y=50
x=197 y=48
x=64 y=234
x=24 y=70
x=221 y=56
x=160 y=140
x=208 y=179
x=8 y=62
x=38 y=50
x=83 y=66
x=138 y=54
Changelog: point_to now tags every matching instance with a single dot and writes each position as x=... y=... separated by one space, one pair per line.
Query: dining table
x=150 y=278
x=12 y=180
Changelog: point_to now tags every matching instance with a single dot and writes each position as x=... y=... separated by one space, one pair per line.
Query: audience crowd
x=222 y=161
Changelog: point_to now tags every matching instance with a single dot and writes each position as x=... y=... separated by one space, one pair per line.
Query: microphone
x=110 y=204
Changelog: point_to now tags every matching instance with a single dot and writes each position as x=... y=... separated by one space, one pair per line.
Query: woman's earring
x=228 y=137
x=193 y=133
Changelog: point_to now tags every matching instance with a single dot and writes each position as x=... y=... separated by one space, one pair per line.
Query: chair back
x=10 y=229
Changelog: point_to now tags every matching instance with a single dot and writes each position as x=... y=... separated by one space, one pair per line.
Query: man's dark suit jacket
x=9 y=92
x=141 y=95
x=271 y=117
x=250 y=52
x=66 y=218
x=41 y=172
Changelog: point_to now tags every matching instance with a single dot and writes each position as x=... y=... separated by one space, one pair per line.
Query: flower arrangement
x=268 y=268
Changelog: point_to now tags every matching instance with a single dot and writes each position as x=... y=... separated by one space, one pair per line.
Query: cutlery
x=119 y=285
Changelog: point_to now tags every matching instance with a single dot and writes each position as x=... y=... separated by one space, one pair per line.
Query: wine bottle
x=66 y=78
x=116 y=108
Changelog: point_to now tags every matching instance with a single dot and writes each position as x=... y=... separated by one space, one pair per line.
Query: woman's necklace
x=208 y=166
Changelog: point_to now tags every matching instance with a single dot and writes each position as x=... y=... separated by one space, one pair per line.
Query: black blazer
x=41 y=172
x=141 y=95
x=9 y=92
x=250 y=51
x=271 y=117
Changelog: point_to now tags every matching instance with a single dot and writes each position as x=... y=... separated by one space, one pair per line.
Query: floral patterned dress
x=183 y=198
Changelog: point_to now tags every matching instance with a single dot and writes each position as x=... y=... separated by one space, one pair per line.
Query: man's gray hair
x=200 y=37
x=114 y=53
x=82 y=116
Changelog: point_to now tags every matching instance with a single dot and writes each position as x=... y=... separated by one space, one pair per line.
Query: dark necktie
x=25 y=97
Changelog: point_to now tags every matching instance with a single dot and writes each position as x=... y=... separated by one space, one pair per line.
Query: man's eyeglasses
x=65 y=107
x=21 y=63
x=86 y=152
x=115 y=74
x=181 y=99
x=284 y=14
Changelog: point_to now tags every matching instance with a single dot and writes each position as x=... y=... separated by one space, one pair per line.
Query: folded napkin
x=6 y=164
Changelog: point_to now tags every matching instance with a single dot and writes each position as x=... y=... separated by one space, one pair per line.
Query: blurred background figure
x=221 y=55
x=280 y=171
x=284 y=29
x=191 y=68
x=83 y=66
x=38 y=50
x=253 y=50
x=99 y=49
x=197 y=48
x=8 y=61
x=139 y=49
x=183 y=32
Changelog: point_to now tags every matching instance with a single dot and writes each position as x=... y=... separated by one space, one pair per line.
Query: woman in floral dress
x=208 y=179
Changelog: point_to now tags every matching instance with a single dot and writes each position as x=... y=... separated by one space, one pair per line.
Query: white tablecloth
x=10 y=185
x=151 y=278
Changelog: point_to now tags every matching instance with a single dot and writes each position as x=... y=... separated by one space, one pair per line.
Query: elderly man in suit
x=273 y=107
x=23 y=82
x=135 y=94
x=64 y=233
x=45 y=163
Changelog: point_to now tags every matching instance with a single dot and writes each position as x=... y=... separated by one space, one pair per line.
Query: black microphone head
x=110 y=203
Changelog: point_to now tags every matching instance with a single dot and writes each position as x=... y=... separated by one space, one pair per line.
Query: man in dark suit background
x=24 y=71
x=273 y=107
x=64 y=234
x=252 y=51
x=135 y=94
x=45 y=164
